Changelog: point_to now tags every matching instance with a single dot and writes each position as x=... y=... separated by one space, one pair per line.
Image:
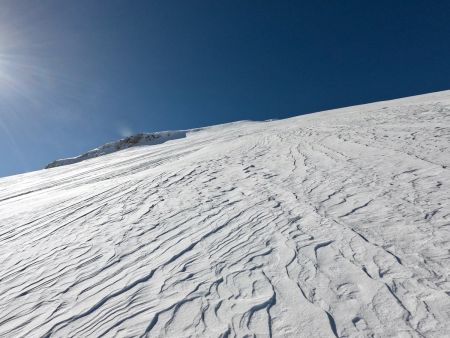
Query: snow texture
x=330 y=224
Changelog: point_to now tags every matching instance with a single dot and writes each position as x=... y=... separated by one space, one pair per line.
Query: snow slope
x=331 y=224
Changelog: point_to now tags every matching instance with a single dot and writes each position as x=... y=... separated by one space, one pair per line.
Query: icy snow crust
x=331 y=224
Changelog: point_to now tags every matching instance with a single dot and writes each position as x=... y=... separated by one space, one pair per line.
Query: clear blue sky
x=75 y=74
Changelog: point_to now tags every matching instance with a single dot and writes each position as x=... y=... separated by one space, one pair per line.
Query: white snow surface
x=329 y=224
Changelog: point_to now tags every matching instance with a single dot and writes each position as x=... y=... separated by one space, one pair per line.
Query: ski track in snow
x=330 y=224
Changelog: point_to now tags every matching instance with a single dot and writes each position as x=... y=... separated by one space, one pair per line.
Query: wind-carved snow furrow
x=356 y=209
x=333 y=224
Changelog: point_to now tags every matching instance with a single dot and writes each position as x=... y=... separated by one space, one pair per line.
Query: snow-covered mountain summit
x=140 y=139
x=330 y=224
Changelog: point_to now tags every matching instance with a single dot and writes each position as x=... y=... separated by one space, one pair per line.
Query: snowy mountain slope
x=331 y=224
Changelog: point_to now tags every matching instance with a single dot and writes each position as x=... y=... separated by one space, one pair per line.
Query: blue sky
x=76 y=74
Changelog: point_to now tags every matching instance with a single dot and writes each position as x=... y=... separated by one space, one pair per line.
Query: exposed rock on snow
x=127 y=142
x=331 y=224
